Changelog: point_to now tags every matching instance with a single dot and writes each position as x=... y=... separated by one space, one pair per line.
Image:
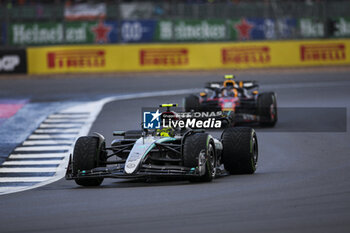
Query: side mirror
x=118 y=133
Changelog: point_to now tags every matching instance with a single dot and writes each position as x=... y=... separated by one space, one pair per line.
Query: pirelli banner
x=142 y=57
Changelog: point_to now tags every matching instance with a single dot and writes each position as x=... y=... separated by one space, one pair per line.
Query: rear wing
x=242 y=84
x=213 y=85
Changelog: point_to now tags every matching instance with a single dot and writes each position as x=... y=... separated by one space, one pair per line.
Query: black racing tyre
x=267 y=109
x=240 y=150
x=133 y=134
x=85 y=157
x=191 y=102
x=195 y=144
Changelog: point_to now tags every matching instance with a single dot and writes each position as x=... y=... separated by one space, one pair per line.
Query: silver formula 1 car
x=168 y=152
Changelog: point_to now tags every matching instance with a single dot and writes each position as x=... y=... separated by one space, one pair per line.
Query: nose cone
x=137 y=153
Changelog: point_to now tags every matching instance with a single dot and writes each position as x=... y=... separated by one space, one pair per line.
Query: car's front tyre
x=199 y=152
x=85 y=157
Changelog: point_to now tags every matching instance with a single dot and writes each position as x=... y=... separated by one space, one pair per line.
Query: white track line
x=92 y=109
x=50 y=136
x=46 y=142
x=42 y=148
x=60 y=125
x=67 y=117
x=33 y=162
x=63 y=131
x=24 y=179
x=27 y=169
x=37 y=156
x=64 y=120
x=7 y=190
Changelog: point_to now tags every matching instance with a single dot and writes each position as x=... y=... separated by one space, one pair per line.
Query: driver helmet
x=167 y=131
x=229 y=83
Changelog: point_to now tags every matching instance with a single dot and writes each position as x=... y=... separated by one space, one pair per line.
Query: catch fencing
x=172 y=21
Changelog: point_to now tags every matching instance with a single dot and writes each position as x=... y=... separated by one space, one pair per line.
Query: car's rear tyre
x=195 y=146
x=267 y=109
x=191 y=102
x=240 y=152
x=86 y=157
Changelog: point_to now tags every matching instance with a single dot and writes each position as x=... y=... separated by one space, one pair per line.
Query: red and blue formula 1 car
x=241 y=101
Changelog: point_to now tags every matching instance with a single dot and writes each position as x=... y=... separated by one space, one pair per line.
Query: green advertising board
x=342 y=26
x=192 y=30
x=232 y=24
x=311 y=28
x=35 y=33
x=40 y=33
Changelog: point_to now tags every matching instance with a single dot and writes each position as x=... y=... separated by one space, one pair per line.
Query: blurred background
x=44 y=22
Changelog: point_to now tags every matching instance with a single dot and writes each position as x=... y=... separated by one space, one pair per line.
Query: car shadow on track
x=153 y=182
x=141 y=183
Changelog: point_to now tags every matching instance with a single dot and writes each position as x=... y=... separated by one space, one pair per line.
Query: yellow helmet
x=229 y=76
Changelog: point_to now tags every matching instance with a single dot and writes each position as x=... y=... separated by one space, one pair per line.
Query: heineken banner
x=287 y=28
x=342 y=27
x=138 y=30
x=192 y=30
x=311 y=28
x=78 y=32
x=261 y=29
x=141 y=31
x=271 y=29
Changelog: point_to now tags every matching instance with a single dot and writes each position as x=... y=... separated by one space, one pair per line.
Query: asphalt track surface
x=302 y=183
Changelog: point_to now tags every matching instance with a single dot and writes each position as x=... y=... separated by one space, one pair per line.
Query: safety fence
x=141 y=31
x=172 y=21
x=181 y=56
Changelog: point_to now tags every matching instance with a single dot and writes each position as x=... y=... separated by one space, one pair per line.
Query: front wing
x=144 y=171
